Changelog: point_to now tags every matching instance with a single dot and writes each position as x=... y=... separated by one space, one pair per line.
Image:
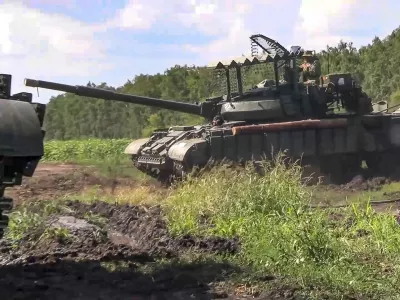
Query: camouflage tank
x=21 y=141
x=248 y=122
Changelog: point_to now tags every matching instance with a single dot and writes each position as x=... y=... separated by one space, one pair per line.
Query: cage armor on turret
x=280 y=113
x=21 y=141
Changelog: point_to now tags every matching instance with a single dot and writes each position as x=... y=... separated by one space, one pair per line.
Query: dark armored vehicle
x=282 y=112
x=21 y=141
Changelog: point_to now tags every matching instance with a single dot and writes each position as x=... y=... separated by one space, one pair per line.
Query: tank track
x=9 y=177
x=163 y=176
x=6 y=205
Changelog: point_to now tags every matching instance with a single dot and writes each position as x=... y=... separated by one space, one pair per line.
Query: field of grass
x=335 y=253
x=106 y=154
x=92 y=150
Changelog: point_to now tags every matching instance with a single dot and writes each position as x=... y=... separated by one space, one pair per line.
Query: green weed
x=29 y=221
x=335 y=253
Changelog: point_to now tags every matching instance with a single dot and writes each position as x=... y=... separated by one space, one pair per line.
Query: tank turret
x=21 y=141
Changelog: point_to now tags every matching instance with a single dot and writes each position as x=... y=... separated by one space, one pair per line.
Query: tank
x=21 y=141
x=327 y=121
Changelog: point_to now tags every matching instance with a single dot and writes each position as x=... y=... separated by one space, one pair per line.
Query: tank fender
x=134 y=147
x=20 y=130
x=193 y=150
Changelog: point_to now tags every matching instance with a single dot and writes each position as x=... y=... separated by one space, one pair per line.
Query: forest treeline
x=376 y=66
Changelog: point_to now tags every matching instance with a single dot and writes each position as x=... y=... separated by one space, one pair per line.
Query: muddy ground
x=52 y=181
x=134 y=237
x=105 y=251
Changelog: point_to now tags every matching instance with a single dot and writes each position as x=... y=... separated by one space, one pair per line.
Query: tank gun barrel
x=114 y=96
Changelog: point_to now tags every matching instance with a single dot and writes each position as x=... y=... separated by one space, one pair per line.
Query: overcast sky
x=76 y=41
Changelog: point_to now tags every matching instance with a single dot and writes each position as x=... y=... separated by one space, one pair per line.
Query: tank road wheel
x=182 y=170
x=341 y=168
x=179 y=170
x=163 y=177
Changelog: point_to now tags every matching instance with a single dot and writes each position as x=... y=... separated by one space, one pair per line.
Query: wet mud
x=100 y=230
x=115 y=254
x=70 y=263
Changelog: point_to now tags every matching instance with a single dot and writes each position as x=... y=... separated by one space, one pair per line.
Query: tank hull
x=335 y=146
x=21 y=148
x=21 y=141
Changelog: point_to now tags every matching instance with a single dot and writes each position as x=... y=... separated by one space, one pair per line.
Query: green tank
x=21 y=141
x=328 y=122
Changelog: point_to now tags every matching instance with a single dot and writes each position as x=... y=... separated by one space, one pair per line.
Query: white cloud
x=57 y=47
x=233 y=22
x=327 y=22
x=135 y=15
x=313 y=24
x=39 y=45
x=225 y=21
x=215 y=17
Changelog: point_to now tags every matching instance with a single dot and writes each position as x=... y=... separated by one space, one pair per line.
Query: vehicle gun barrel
x=114 y=96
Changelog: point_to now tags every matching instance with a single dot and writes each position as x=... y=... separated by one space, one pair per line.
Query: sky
x=77 y=41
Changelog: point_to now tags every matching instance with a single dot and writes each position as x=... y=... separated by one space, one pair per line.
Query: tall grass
x=352 y=251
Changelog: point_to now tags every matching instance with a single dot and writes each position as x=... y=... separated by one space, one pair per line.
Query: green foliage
x=374 y=65
x=349 y=252
x=85 y=150
x=73 y=117
x=395 y=98
x=29 y=222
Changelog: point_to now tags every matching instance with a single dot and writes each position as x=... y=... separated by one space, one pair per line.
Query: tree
x=375 y=66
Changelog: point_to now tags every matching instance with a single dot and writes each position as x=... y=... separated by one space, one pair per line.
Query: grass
x=107 y=155
x=349 y=252
x=85 y=150
x=30 y=221
x=133 y=195
x=343 y=197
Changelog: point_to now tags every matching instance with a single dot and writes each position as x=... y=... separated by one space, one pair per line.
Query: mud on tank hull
x=334 y=147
